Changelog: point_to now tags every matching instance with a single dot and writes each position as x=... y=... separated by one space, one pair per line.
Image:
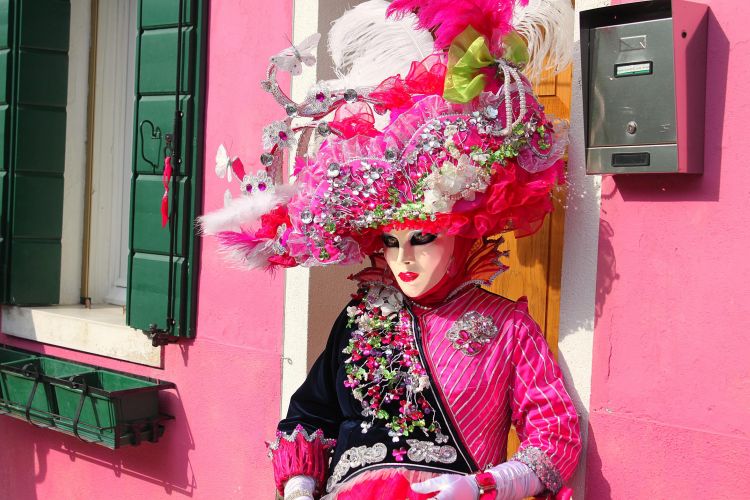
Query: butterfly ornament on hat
x=424 y=371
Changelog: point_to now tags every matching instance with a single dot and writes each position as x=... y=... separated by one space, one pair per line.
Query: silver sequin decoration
x=306 y=217
x=356 y=457
x=277 y=246
x=291 y=437
x=334 y=169
x=490 y=112
x=350 y=95
x=291 y=110
x=426 y=451
x=538 y=461
x=323 y=129
x=266 y=159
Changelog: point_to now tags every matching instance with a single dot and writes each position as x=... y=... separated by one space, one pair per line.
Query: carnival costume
x=410 y=389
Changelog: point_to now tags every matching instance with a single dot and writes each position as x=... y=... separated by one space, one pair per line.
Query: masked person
x=424 y=371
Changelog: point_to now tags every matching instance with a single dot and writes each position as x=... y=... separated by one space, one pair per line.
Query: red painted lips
x=407 y=277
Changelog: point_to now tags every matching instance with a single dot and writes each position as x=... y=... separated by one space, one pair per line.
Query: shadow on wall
x=23 y=466
x=165 y=464
x=606 y=274
x=597 y=486
x=330 y=292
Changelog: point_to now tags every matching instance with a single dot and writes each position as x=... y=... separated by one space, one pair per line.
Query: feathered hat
x=459 y=143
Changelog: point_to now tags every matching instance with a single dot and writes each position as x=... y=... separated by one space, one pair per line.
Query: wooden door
x=536 y=261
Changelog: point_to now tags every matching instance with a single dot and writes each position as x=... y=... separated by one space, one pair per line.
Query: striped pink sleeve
x=543 y=413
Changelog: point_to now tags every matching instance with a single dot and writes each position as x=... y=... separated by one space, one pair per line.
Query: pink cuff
x=300 y=453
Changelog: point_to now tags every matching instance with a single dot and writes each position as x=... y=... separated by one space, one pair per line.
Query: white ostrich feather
x=366 y=47
x=547 y=26
x=244 y=210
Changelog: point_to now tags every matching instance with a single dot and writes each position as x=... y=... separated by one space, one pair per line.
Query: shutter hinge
x=160 y=337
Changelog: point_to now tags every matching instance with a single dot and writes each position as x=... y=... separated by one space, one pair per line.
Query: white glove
x=299 y=484
x=514 y=481
x=450 y=487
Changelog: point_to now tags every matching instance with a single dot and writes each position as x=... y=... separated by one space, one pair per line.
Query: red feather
x=449 y=18
x=238 y=168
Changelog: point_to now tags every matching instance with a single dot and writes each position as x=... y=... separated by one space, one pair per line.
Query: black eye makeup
x=389 y=241
x=416 y=239
x=422 y=238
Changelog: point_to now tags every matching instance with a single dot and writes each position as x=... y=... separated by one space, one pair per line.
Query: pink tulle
x=395 y=484
x=446 y=19
x=396 y=94
x=383 y=484
x=354 y=119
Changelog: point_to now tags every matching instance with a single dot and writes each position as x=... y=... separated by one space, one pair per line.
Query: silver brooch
x=471 y=332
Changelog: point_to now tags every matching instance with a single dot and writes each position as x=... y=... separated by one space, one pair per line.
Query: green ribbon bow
x=468 y=55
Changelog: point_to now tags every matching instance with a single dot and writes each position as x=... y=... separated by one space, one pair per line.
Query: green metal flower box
x=110 y=407
x=26 y=390
x=10 y=356
x=96 y=405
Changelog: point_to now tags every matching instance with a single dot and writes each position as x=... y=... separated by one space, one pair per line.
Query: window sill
x=100 y=330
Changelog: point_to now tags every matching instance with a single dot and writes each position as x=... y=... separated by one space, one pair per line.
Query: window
x=53 y=250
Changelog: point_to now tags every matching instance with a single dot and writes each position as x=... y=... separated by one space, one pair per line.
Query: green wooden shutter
x=155 y=103
x=34 y=38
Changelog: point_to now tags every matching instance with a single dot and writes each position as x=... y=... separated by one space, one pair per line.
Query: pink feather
x=449 y=18
x=238 y=239
x=238 y=246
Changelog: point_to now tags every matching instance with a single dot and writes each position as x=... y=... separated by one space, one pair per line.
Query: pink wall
x=229 y=378
x=670 y=401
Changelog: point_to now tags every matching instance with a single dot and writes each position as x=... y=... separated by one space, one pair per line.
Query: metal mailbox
x=644 y=87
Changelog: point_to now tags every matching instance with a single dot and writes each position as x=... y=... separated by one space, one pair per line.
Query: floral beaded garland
x=384 y=370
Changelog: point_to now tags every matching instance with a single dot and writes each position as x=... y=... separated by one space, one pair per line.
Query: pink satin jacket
x=491 y=368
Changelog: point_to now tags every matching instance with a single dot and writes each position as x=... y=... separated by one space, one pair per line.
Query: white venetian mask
x=418 y=260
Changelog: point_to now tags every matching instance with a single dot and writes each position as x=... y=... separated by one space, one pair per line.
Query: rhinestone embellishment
x=266 y=159
x=471 y=332
x=350 y=95
x=425 y=451
x=356 y=457
x=334 y=169
x=306 y=217
x=258 y=183
x=323 y=129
